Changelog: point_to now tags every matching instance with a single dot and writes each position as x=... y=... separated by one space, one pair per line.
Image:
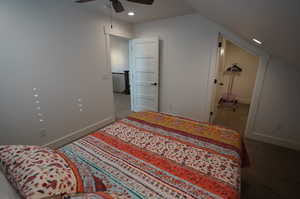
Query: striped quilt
x=154 y=155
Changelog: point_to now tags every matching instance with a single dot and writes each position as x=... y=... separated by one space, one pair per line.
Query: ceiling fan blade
x=117 y=5
x=147 y=2
x=83 y=1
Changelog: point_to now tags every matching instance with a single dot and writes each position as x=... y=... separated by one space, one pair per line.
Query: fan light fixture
x=117 y=5
x=131 y=13
x=257 y=41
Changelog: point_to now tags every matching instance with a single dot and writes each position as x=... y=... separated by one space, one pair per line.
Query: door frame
x=212 y=114
x=130 y=75
x=259 y=82
x=108 y=32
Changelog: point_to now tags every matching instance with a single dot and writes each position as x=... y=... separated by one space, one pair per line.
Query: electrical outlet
x=43 y=132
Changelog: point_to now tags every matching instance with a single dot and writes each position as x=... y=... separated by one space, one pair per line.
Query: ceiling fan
x=117 y=5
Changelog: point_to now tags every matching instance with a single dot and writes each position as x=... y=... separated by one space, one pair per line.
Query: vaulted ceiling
x=275 y=22
x=159 y=10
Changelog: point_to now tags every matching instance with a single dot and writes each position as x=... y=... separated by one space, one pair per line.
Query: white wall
x=188 y=48
x=119 y=49
x=277 y=118
x=59 y=48
x=245 y=81
x=186 y=44
x=119 y=52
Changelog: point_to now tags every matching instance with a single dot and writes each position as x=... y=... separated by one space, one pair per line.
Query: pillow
x=38 y=172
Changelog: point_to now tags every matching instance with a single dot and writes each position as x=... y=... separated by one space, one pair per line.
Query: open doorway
x=119 y=55
x=134 y=65
x=235 y=82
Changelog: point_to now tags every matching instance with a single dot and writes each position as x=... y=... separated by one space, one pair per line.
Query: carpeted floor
x=122 y=105
x=235 y=120
x=274 y=171
x=273 y=174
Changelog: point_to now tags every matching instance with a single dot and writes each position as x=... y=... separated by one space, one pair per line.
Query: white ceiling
x=160 y=9
x=275 y=22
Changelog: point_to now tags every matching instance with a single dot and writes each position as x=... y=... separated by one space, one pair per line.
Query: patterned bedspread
x=154 y=155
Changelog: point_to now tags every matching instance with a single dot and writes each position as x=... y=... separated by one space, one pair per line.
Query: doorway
x=135 y=73
x=119 y=59
x=235 y=81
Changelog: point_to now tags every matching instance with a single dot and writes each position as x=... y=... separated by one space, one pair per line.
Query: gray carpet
x=273 y=171
x=122 y=105
x=235 y=120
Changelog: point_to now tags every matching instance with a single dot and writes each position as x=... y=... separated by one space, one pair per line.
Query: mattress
x=155 y=155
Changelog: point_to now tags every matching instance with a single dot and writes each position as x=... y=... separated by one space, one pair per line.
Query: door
x=144 y=66
x=219 y=78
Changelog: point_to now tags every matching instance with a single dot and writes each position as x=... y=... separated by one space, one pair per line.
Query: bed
x=155 y=155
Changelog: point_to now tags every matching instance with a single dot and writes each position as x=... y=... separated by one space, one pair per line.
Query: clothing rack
x=229 y=99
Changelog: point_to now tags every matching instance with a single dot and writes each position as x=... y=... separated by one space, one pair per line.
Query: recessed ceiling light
x=131 y=13
x=257 y=41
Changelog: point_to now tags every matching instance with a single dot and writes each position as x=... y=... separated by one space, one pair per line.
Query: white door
x=219 y=78
x=144 y=67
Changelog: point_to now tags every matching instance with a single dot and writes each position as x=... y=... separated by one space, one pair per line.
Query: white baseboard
x=79 y=133
x=273 y=140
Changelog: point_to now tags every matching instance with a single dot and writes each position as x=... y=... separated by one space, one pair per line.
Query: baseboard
x=273 y=140
x=79 y=133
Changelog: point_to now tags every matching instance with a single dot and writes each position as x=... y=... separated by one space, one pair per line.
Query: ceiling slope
x=275 y=22
x=159 y=10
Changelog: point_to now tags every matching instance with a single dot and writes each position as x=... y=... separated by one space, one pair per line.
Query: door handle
x=154 y=84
